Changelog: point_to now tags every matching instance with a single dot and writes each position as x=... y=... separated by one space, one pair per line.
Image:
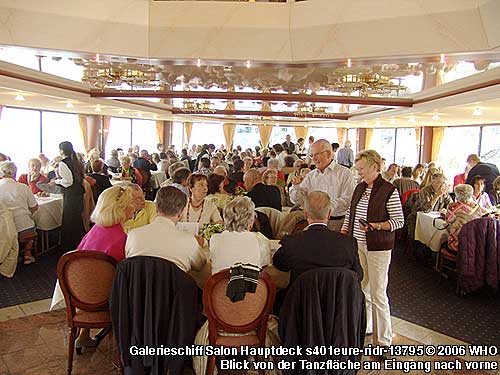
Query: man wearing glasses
x=329 y=177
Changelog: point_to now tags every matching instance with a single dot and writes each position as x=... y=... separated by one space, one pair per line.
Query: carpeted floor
x=30 y=283
x=416 y=294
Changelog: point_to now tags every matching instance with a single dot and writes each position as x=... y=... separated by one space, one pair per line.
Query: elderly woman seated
x=127 y=172
x=19 y=199
x=33 y=177
x=237 y=243
x=270 y=177
x=199 y=210
x=479 y=196
x=216 y=192
x=461 y=212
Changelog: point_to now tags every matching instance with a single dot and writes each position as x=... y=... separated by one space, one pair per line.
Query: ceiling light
x=69 y=105
x=139 y=114
x=19 y=97
x=98 y=108
x=477 y=112
x=377 y=123
x=435 y=117
x=393 y=121
x=198 y=63
x=442 y=58
x=249 y=64
x=121 y=112
x=155 y=116
x=411 y=119
x=97 y=57
x=349 y=64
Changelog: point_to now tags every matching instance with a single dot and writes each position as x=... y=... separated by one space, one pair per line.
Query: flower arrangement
x=209 y=230
x=239 y=191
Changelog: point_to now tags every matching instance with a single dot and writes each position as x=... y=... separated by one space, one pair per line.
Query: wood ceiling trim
x=327 y=116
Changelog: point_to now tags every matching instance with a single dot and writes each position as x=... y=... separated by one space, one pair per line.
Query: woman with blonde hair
x=427 y=180
x=114 y=207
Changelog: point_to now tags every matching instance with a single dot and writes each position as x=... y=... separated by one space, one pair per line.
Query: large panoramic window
x=406 y=147
x=59 y=127
x=178 y=135
x=383 y=141
x=279 y=134
x=246 y=136
x=207 y=133
x=458 y=143
x=20 y=136
x=352 y=135
x=144 y=135
x=490 y=145
x=119 y=135
x=330 y=134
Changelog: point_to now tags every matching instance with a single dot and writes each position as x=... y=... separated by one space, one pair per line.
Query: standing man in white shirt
x=329 y=177
x=162 y=239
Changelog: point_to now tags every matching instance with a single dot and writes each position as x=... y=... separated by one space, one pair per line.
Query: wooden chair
x=447 y=259
x=85 y=278
x=247 y=316
x=25 y=238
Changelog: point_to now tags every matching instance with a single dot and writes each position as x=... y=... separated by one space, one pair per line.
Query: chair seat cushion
x=95 y=317
x=233 y=341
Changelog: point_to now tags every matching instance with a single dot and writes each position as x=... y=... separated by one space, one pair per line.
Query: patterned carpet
x=416 y=294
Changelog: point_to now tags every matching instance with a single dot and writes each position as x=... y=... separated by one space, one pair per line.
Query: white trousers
x=375 y=266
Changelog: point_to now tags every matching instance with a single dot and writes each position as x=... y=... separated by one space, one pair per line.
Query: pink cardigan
x=109 y=240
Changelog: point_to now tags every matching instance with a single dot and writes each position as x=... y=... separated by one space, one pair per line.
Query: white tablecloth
x=426 y=233
x=157 y=178
x=49 y=213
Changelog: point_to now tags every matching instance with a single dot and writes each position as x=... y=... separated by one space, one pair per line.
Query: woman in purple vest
x=374 y=215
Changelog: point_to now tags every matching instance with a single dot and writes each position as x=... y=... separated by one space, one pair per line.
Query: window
x=178 y=135
x=490 y=147
x=406 y=147
x=58 y=127
x=246 y=136
x=119 y=135
x=383 y=141
x=207 y=133
x=19 y=56
x=352 y=135
x=20 y=136
x=279 y=134
x=62 y=68
x=458 y=143
x=145 y=135
x=330 y=134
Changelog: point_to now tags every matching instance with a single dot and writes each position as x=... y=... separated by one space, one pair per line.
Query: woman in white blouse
x=199 y=210
x=237 y=243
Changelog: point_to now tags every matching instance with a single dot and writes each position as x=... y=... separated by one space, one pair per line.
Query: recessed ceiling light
x=98 y=108
x=249 y=64
x=477 y=112
x=198 y=63
x=412 y=119
x=121 y=112
x=435 y=117
x=392 y=121
x=155 y=116
x=139 y=114
x=377 y=123
x=69 y=105
x=19 y=97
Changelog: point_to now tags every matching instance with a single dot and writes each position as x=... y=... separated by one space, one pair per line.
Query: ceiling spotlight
x=249 y=64
x=477 y=112
x=349 y=64
x=198 y=63
x=411 y=119
x=435 y=117
x=155 y=116
x=139 y=114
x=442 y=58
x=377 y=123
x=19 y=97
x=98 y=108
x=69 y=105
x=121 y=112
x=393 y=121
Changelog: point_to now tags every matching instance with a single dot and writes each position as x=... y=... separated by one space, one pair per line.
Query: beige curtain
x=300 y=131
x=437 y=139
x=341 y=135
x=368 y=138
x=265 y=134
x=160 y=131
x=188 y=127
x=106 y=121
x=82 y=120
x=229 y=130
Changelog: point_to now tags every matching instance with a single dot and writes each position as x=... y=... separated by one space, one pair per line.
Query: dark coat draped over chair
x=478 y=260
x=324 y=307
x=153 y=303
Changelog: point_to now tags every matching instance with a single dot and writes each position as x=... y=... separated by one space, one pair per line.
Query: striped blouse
x=396 y=219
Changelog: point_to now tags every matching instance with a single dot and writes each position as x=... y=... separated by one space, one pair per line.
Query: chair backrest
x=407 y=195
x=242 y=316
x=275 y=218
x=85 y=278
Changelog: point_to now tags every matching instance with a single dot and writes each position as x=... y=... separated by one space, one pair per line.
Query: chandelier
x=310 y=110
x=189 y=106
x=365 y=82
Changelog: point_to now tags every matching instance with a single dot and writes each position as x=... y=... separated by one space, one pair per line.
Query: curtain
x=437 y=139
x=265 y=131
x=160 y=131
x=300 y=131
x=229 y=130
x=82 y=120
x=368 y=138
x=188 y=127
x=106 y=122
x=341 y=135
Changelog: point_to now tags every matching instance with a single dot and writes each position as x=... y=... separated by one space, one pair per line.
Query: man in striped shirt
x=405 y=183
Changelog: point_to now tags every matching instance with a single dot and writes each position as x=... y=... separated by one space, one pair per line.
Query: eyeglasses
x=318 y=153
x=120 y=193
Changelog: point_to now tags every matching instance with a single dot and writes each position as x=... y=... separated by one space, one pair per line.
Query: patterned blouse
x=458 y=214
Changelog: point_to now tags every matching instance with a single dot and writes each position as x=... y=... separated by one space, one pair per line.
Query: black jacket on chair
x=314 y=248
x=265 y=196
x=153 y=303
x=324 y=307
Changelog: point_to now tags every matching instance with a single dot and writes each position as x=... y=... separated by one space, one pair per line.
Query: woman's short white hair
x=112 y=206
x=239 y=214
x=463 y=192
x=7 y=169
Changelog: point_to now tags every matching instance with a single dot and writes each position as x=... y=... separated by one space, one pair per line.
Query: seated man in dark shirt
x=317 y=246
x=143 y=162
x=260 y=194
